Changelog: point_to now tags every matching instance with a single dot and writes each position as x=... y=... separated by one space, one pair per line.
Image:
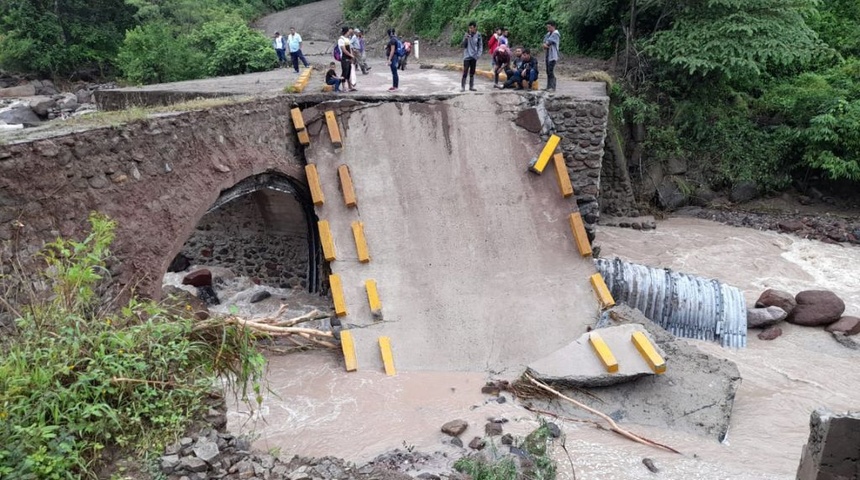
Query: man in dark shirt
x=331 y=77
x=393 y=59
x=528 y=70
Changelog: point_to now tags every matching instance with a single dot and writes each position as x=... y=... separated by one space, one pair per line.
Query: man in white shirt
x=294 y=41
x=347 y=57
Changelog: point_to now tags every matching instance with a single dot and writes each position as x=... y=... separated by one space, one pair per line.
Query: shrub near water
x=78 y=377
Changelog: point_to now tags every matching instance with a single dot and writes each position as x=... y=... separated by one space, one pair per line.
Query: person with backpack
x=473 y=47
x=407 y=49
x=393 y=51
x=280 y=45
x=294 y=41
x=550 y=44
x=343 y=52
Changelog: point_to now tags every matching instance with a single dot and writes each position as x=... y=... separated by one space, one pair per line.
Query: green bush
x=153 y=53
x=79 y=377
x=231 y=47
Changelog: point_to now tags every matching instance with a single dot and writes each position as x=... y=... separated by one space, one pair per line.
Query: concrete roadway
x=473 y=256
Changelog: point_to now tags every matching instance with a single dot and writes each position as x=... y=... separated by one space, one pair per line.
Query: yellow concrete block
x=347 y=344
x=546 y=154
x=298 y=120
x=328 y=88
x=360 y=242
x=535 y=85
x=561 y=175
x=387 y=356
x=579 y=235
x=304 y=138
x=373 y=299
x=346 y=186
x=327 y=241
x=333 y=130
x=337 y=294
x=603 y=352
x=314 y=183
x=648 y=352
x=602 y=291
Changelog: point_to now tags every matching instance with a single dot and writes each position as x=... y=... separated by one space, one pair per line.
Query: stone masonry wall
x=616 y=189
x=156 y=177
x=581 y=124
x=262 y=235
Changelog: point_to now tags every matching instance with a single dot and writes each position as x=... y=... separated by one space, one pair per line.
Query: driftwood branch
x=274 y=327
x=612 y=425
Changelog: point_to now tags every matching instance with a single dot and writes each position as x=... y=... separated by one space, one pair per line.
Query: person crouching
x=331 y=77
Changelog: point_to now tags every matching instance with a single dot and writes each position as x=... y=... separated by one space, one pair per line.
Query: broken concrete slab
x=833 y=448
x=695 y=394
x=577 y=365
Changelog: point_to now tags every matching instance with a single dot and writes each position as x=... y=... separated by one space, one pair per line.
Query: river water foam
x=314 y=408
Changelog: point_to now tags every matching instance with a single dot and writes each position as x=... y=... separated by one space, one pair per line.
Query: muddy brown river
x=315 y=408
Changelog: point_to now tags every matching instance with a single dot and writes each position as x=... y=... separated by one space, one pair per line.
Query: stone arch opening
x=262 y=228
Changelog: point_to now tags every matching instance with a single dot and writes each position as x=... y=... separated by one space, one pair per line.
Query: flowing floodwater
x=314 y=408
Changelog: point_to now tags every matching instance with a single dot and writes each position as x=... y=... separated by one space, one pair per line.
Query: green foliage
x=737 y=38
x=504 y=469
x=231 y=48
x=153 y=53
x=838 y=24
x=62 y=36
x=536 y=445
x=79 y=377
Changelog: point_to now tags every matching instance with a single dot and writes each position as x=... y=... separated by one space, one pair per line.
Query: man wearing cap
x=356 y=43
x=294 y=40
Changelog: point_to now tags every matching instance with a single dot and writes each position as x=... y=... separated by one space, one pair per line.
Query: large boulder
x=19 y=113
x=777 y=298
x=41 y=104
x=848 y=325
x=198 y=278
x=182 y=302
x=670 y=196
x=816 y=307
x=744 y=191
x=18 y=91
x=765 y=317
x=67 y=101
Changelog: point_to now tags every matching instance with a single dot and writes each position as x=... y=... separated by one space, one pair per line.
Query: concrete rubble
x=695 y=394
x=577 y=365
x=833 y=449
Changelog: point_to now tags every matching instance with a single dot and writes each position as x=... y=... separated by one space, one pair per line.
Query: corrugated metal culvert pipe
x=686 y=305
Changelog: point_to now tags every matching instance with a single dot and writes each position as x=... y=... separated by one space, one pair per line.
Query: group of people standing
x=351 y=52
x=519 y=65
x=293 y=43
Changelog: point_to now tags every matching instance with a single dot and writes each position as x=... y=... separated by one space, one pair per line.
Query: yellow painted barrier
x=373 y=299
x=346 y=186
x=387 y=356
x=328 y=88
x=298 y=121
x=304 y=138
x=327 y=241
x=360 y=242
x=602 y=291
x=535 y=85
x=314 y=184
x=648 y=352
x=561 y=175
x=337 y=294
x=545 y=154
x=347 y=344
x=333 y=130
x=579 y=235
x=603 y=352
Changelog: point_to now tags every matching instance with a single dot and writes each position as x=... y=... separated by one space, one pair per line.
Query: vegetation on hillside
x=143 y=41
x=761 y=90
x=81 y=375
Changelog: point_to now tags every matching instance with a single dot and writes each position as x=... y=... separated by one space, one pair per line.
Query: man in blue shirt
x=294 y=40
